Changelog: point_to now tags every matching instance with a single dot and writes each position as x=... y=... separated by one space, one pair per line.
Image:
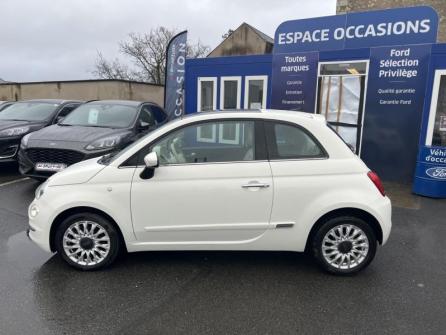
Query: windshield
x=29 y=111
x=107 y=159
x=101 y=115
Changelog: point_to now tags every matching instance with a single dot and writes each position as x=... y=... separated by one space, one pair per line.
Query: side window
x=65 y=111
x=182 y=147
x=158 y=113
x=290 y=142
x=147 y=116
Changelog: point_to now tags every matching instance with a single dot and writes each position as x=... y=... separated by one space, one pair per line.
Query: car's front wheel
x=344 y=245
x=87 y=241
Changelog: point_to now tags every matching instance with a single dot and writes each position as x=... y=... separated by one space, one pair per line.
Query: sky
x=44 y=40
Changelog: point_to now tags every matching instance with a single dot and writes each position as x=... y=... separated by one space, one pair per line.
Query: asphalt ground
x=402 y=292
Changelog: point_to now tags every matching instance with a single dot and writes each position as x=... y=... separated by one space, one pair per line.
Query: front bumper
x=8 y=149
x=39 y=225
x=27 y=164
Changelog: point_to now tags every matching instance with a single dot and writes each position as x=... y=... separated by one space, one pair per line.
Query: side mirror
x=143 y=126
x=151 y=160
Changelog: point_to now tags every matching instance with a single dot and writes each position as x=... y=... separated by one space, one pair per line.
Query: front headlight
x=14 y=131
x=104 y=143
x=24 y=141
x=41 y=190
x=33 y=211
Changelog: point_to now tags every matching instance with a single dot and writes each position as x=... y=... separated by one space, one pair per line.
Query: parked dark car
x=94 y=129
x=5 y=104
x=24 y=117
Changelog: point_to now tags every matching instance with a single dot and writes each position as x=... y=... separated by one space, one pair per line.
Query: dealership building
x=379 y=78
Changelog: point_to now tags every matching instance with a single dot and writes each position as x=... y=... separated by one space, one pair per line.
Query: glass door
x=341 y=92
x=436 y=130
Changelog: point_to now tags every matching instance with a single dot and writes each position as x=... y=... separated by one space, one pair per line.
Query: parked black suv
x=94 y=129
x=24 y=117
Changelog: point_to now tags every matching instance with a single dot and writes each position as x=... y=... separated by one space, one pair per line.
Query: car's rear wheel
x=87 y=241
x=344 y=245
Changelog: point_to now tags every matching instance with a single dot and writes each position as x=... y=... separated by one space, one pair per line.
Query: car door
x=213 y=186
x=299 y=168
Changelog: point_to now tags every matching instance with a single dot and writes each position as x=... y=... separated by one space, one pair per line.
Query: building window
x=230 y=92
x=341 y=95
x=436 y=130
x=255 y=92
x=207 y=101
x=230 y=96
x=207 y=94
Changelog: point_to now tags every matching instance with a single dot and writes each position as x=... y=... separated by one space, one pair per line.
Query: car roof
x=260 y=113
x=54 y=101
x=119 y=102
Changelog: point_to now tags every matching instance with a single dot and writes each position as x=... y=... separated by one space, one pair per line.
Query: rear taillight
x=375 y=179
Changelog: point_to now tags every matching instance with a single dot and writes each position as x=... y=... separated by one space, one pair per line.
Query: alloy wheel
x=345 y=246
x=86 y=243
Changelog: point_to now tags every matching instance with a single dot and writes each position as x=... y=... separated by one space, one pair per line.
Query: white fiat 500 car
x=241 y=180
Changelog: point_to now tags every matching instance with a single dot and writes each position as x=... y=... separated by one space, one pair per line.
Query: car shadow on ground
x=146 y=287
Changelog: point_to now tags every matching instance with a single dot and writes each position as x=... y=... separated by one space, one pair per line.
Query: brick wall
x=344 y=6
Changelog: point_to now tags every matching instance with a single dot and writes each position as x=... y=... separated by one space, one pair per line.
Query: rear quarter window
x=287 y=141
x=352 y=148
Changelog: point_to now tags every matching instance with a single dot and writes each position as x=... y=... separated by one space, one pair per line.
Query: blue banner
x=397 y=26
x=430 y=174
x=393 y=110
x=294 y=81
x=174 y=77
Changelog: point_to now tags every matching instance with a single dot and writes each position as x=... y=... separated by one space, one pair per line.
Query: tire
x=341 y=239
x=91 y=241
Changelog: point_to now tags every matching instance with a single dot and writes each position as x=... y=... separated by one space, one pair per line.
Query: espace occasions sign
x=399 y=26
x=298 y=43
x=396 y=43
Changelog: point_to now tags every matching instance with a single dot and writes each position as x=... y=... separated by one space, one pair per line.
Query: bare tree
x=111 y=69
x=227 y=34
x=197 y=50
x=147 y=54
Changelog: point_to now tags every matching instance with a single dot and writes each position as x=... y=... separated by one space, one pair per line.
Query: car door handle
x=255 y=185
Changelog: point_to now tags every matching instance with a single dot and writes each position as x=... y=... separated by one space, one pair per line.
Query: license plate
x=53 y=167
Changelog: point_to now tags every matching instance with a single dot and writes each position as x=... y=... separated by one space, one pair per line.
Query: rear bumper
x=384 y=208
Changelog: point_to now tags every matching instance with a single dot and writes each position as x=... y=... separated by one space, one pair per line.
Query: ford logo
x=437 y=172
